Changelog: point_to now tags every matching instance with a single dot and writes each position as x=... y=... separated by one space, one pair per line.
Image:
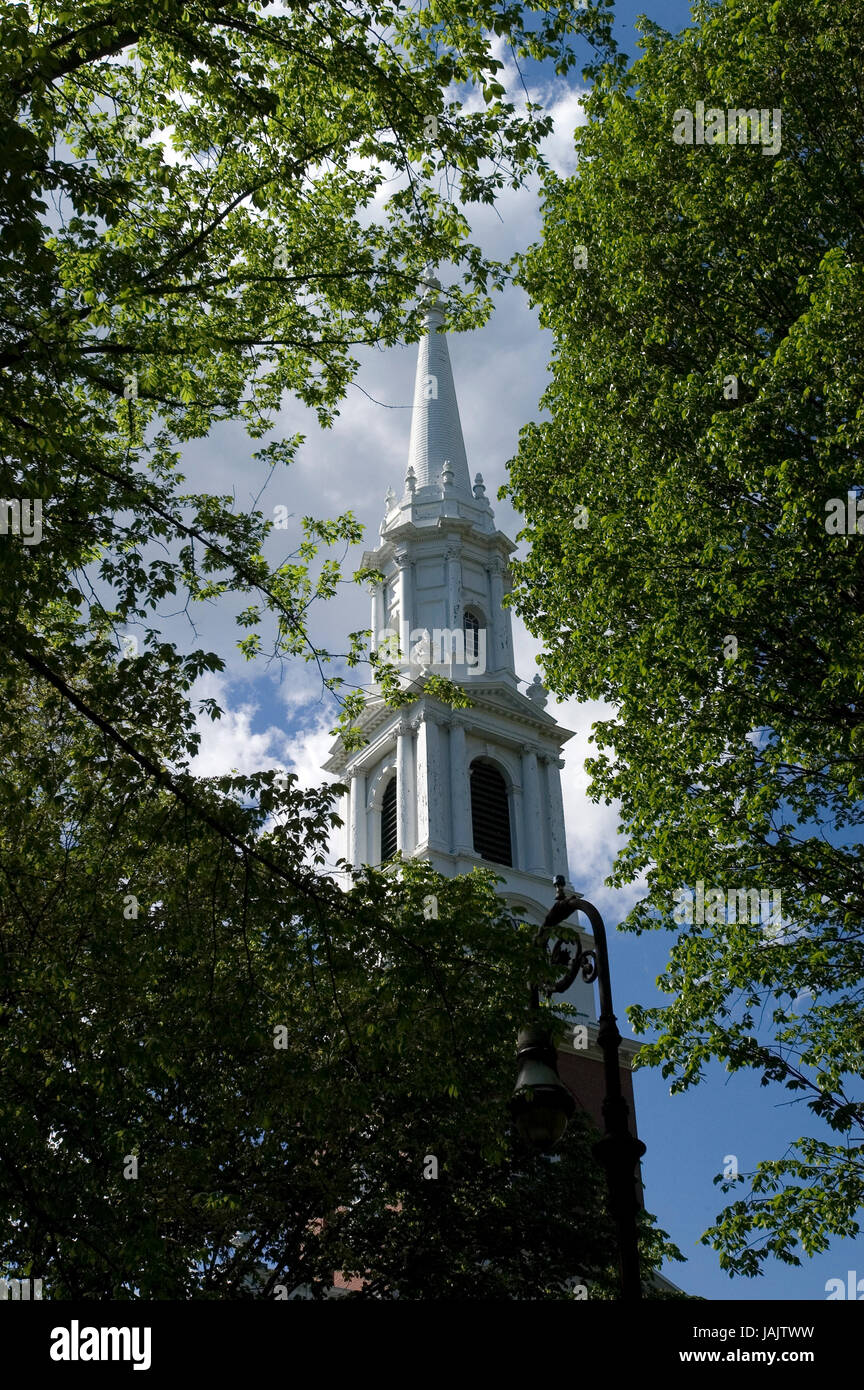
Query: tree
x=189 y=230
x=192 y=224
x=219 y=1087
x=687 y=565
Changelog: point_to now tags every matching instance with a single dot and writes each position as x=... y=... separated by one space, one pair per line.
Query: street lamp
x=542 y=1105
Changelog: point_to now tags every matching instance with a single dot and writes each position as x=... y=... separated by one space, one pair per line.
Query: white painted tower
x=455 y=787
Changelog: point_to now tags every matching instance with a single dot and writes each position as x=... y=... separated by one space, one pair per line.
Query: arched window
x=388 y=821
x=490 y=814
x=472 y=624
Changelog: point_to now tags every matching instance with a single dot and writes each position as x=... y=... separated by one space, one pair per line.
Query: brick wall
x=583 y=1077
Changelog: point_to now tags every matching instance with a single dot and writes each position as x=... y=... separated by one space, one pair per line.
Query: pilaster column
x=531 y=815
x=431 y=828
x=406 y=833
x=406 y=600
x=493 y=639
x=345 y=829
x=557 y=828
x=501 y=639
x=454 y=587
x=357 y=819
x=517 y=826
x=378 y=617
x=460 y=792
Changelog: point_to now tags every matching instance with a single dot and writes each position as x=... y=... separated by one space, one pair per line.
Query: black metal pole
x=619 y=1151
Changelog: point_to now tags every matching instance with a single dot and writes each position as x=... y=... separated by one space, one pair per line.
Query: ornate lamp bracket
x=577 y=960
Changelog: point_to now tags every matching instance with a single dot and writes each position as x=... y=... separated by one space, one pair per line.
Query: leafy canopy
x=223 y=1089
x=208 y=205
x=704 y=409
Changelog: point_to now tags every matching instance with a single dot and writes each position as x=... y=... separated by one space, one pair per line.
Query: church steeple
x=482 y=784
x=436 y=430
x=458 y=787
x=464 y=787
x=446 y=564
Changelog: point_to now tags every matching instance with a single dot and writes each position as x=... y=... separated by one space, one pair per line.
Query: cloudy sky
x=278 y=718
x=499 y=373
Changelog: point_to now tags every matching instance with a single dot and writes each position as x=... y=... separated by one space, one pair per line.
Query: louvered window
x=472 y=627
x=490 y=814
x=388 y=821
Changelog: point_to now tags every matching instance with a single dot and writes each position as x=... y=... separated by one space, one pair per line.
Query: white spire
x=436 y=431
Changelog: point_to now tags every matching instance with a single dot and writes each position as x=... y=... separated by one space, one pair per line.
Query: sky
x=281 y=719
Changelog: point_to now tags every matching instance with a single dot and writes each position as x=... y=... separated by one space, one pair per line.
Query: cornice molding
x=457 y=528
x=508 y=707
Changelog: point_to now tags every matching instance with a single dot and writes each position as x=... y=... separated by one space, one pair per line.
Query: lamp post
x=542 y=1105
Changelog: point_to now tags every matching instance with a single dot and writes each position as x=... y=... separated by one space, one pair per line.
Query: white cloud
x=228 y=744
x=305 y=750
x=565 y=107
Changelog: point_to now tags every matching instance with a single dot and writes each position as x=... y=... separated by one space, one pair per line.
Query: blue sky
x=500 y=373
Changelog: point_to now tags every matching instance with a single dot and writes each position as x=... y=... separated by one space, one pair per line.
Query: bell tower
x=461 y=787
x=455 y=787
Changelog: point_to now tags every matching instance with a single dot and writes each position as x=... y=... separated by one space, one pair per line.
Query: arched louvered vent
x=471 y=624
x=490 y=814
x=388 y=821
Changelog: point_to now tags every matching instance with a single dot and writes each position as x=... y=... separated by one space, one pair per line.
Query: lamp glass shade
x=541 y=1107
x=541 y=1104
x=541 y=1122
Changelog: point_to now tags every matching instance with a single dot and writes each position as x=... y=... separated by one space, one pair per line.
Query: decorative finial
x=390 y=499
x=447 y=475
x=410 y=479
x=479 y=488
x=538 y=692
x=430 y=279
x=560 y=884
